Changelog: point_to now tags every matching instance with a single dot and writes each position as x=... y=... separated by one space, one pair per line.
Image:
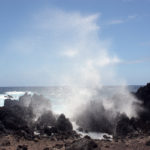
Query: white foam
x=93 y=135
x=15 y=95
x=2 y=97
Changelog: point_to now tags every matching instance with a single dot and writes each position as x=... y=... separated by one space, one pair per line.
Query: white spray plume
x=86 y=62
x=91 y=66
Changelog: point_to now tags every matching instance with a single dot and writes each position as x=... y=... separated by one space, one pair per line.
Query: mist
x=92 y=65
x=84 y=62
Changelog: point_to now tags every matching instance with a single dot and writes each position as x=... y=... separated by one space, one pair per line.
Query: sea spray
x=91 y=66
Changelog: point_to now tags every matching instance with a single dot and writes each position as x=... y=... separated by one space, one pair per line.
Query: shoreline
x=12 y=142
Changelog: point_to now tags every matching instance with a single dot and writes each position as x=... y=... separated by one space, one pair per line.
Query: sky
x=43 y=40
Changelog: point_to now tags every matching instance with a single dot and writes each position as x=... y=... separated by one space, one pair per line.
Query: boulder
x=46 y=119
x=124 y=126
x=83 y=144
x=63 y=123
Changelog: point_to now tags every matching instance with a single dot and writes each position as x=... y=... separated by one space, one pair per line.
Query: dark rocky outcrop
x=47 y=119
x=32 y=114
x=143 y=95
x=63 y=124
x=124 y=126
x=15 y=118
x=132 y=126
x=95 y=118
x=83 y=144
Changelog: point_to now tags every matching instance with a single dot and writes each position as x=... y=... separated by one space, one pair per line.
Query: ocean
x=56 y=94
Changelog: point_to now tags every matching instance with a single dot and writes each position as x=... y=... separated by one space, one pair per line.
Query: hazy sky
x=41 y=39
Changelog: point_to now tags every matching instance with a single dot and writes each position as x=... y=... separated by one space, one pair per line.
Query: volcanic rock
x=46 y=119
x=124 y=126
x=31 y=115
x=83 y=144
x=50 y=130
x=133 y=126
x=63 y=124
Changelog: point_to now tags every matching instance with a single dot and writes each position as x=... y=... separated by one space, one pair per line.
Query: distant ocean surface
x=55 y=94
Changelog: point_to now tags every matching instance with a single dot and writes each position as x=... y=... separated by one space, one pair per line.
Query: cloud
x=116 y=21
x=66 y=48
x=137 y=61
x=121 y=21
x=132 y=17
x=63 y=43
x=70 y=53
x=64 y=21
x=104 y=61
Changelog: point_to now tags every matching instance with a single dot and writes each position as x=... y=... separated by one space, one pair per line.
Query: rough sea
x=55 y=94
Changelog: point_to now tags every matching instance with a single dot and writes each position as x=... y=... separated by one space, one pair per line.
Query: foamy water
x=56 y=95
x=14 y=94
x=93 y=135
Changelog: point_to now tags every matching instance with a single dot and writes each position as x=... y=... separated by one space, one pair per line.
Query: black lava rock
x=63 y=124
x=83 y=144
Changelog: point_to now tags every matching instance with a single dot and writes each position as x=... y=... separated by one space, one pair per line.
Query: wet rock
x=39 y=105
x=124 y=126
x=25 y=100
x=80 y=129
x=87 y=137
x=63 y=124
x=106 y=137
x=88 y=121
x=12 y=118
x=143 y=94
x=47 y=119
x=18 y=118
x=10 y=103
x=142 y=123
x=2 y=127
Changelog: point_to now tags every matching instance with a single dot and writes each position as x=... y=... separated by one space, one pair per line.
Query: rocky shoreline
x=11 y=142
x=26 y=124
